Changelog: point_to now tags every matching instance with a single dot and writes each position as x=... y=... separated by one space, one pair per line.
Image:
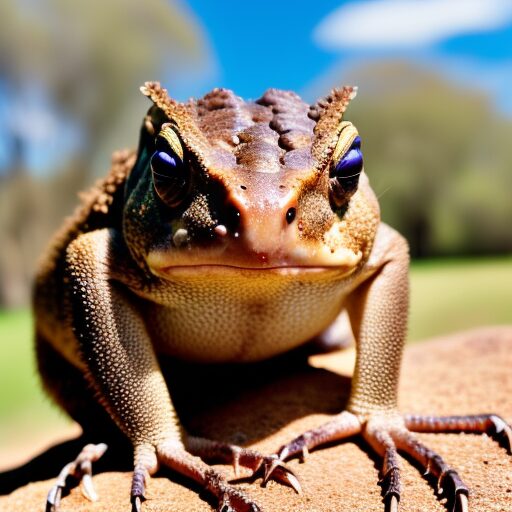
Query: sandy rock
x=464 y=373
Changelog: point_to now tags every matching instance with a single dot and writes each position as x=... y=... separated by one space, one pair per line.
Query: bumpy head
x=274 y=184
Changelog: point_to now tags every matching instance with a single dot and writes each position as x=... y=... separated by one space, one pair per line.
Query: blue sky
x=302 y=45
x=272 y=43
x=265 y=43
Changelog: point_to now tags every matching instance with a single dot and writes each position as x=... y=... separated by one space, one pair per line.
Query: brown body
x=231 y=236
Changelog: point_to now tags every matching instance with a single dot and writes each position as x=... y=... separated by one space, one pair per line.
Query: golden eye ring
x=168 y=134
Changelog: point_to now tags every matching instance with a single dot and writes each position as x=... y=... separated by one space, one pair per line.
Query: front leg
x=378 y=310
x=124 y=372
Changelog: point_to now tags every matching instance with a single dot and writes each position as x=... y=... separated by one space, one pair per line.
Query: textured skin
x=253 y=260
x=104 y=302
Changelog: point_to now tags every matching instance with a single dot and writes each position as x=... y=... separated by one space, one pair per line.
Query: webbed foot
x=80 y=469
x=390 y=433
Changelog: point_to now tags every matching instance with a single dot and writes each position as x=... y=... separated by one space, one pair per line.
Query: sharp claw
x=283 y=453
x=101 y=448
x=461 y=502
x=236 y=463
x=281 y=472
x=225 y=507
x=137 y=503
x=440 y=482
x=391 y=503
x=502 y=432
x=67 y=470
x=53 y=499
x=270 y=468
x=80 y=469
x=305 y=453
x=88 y=488
x=294 y=482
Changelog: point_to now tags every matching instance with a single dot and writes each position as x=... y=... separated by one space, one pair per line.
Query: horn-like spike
x=328 y=113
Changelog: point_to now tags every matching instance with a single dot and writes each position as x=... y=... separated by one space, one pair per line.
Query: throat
x=241 y=320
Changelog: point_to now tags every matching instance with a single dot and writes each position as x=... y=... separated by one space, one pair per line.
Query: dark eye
x=345 y=174
x=170 y=177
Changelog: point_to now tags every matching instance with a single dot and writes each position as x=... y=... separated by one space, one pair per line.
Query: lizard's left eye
x=170 y=177
x=344 y=176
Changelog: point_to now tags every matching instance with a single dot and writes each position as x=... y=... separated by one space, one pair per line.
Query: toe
x=502 y=432
x=491 y=424
x=449 y=483
x=386 y=435
x=272 y=465
x=231 y=504
x=382 y=442
x=342 y=426
x=229 y=498
x=275 y=468
x=81 y=469
x=138 y=487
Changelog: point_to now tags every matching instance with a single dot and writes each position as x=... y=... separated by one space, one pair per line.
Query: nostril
x=232 y=219
x=290 y=215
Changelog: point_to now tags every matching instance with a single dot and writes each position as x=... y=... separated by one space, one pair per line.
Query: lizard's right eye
x=345 y=174
x=170 y=177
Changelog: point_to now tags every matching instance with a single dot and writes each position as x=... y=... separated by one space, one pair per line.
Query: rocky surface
x=464 y=373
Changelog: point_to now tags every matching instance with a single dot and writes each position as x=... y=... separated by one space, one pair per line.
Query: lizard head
x=272 y=184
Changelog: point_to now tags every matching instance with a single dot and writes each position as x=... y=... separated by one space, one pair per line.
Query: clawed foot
x=187 y=460
x=81 y=470
x=190 y=460
x=237 y=456
x=388 y=434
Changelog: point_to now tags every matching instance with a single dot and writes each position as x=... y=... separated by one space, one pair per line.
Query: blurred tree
x=438 y=157
x=87 y=59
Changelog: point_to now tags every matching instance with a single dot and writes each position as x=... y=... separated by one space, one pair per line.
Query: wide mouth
x=215 y=260
x=212 y=269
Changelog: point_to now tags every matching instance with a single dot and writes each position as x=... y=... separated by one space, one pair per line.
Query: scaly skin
x=231 y=236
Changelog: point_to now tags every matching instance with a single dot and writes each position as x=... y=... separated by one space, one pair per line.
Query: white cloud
x=379 y=24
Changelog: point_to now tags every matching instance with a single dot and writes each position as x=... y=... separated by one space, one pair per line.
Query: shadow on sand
x=238 y=404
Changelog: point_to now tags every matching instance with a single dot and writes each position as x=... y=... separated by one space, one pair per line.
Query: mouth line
x=222 y=268
x=223 y=265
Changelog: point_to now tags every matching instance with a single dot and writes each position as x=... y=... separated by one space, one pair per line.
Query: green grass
x=17 y=376
x=19 y=382
x=23 y=405
x=446 y=296
x=451 y=295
